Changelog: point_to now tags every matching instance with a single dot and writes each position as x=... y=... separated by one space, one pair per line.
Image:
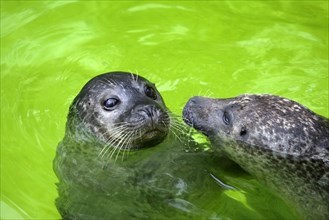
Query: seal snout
x=190 y=109
x=152 y=125
x=187 y=114
x=197 y=116
x=151 y=117
x=148 y=113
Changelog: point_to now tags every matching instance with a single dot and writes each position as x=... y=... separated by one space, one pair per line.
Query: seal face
x=279 y=141
x=122 y=110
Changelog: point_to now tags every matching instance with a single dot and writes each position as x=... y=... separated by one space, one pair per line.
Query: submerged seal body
x=279 y=141
x=114 y=113
x=119 y=158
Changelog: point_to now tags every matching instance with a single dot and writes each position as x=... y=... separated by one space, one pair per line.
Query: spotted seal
x=279 y=141
x=119 y=158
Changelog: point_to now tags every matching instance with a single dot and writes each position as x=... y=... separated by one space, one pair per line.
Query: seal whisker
x=182 y=132
x=124 y=145
x=127 y=143
x=108 y=146
x=112 y=139
x=120 y=144
x=113 y=150
x=114 y=133
x=117 y=136
x=175 y=130
x=179 y=126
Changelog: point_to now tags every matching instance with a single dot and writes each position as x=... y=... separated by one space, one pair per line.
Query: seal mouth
x=187 y=116
x=151 y=134
x=150 y=138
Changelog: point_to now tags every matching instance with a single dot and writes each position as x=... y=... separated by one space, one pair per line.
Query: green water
x=49 y=49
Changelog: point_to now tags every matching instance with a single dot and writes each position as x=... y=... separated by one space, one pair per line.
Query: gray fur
x=86 y=160
x=279 y=141
x=106 y=174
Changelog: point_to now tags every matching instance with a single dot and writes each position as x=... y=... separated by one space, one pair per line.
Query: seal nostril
x=151 y=111
x=148 y=111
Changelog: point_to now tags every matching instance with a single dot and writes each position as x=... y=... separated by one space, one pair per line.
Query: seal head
x=120 y=109
x=279 y=141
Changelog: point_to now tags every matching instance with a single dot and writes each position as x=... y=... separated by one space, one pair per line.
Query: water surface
x=50 y=49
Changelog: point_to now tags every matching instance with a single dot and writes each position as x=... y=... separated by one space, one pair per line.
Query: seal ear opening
x=243 y=131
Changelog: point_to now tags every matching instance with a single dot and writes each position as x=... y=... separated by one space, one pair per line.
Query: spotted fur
x=282 y=143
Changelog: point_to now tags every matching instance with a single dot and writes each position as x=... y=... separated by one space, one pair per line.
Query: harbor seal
x=279 y=141
x=120 y=159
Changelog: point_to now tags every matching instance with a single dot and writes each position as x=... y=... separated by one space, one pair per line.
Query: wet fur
x=282 y=143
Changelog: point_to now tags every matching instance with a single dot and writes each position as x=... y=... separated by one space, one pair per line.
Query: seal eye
x=109 y=104
x=150 y=92
x=226 y=118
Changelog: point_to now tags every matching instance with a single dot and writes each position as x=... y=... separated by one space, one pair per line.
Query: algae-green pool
x=50 y=49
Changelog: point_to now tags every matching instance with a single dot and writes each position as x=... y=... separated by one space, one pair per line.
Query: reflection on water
x=50 y=49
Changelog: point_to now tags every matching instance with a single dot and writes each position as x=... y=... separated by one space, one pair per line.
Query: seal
x=114 y=113
x=122 y=115
x=277 y=140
